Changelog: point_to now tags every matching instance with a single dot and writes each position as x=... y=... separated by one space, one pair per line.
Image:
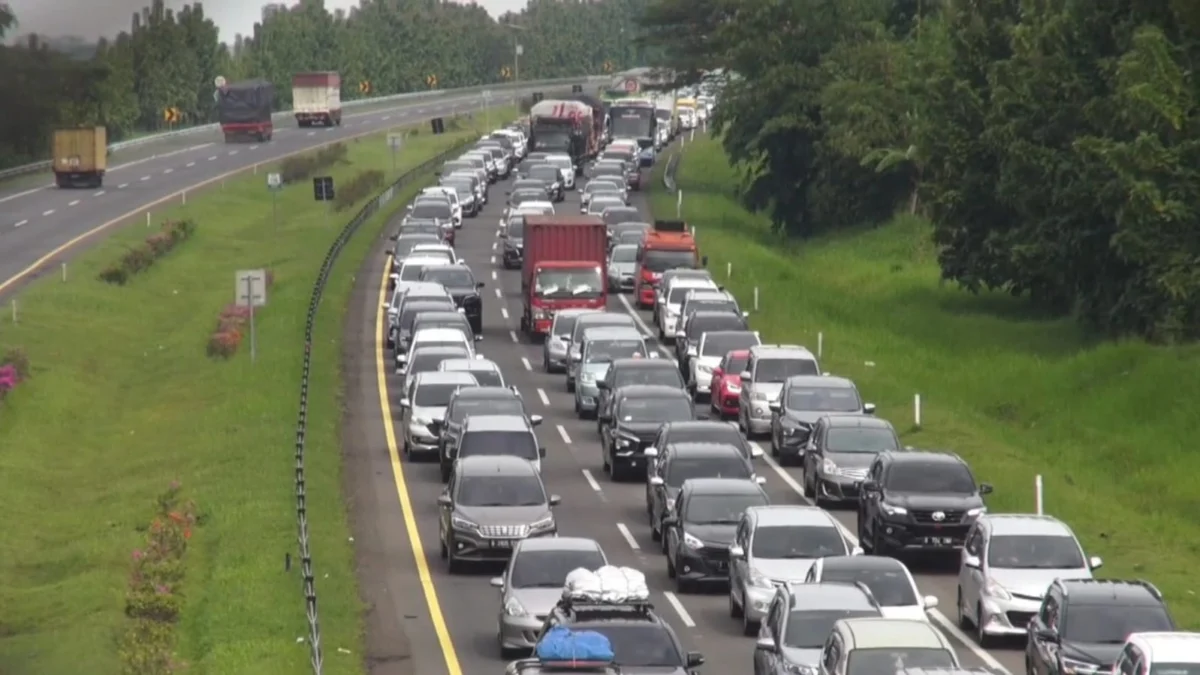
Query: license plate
x=939 y=541
x=500 y=543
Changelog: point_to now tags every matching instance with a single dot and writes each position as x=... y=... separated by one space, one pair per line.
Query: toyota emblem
x=939 y=516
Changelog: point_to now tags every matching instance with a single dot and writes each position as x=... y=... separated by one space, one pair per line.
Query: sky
x=95 y=18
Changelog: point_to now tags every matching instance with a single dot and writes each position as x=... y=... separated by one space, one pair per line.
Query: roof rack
x=583 y=609
x=1151 y=588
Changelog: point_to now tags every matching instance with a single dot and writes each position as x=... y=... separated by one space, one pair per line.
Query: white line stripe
x=622 y=529
x=542 y=395
x=122 y=186
x=21 y=223
x=493 y=261
x=191 y=164
x=513 y=335
x=19 y=194
x=46 y=213
x=504 y=313
x=168 y=170
x=213 y=158
x=493 y=273
x=99 y=194
x=233 y=152
x=683 y=613
x=493 y=246
x=563 y=432
x=386 y=117
x=498 y=294
x=144 y=178
x=254 y=147
x=525 y=362
x=591 y=480
x=73 y=203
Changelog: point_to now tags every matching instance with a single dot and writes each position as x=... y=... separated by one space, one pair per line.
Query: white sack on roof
x=607 y=584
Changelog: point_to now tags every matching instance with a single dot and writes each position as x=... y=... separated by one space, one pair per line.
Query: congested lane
x=612 y=513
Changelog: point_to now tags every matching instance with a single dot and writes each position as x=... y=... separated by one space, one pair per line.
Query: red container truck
x=563 y=268
x=317 y=99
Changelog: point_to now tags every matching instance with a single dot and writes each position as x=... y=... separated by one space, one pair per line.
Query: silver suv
x=575 y=343
x=768 y=367
x=424 y=408
x=1008 y=564
x=554 y=348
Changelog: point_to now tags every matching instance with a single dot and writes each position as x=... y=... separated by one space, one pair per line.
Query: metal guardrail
x=394 y=98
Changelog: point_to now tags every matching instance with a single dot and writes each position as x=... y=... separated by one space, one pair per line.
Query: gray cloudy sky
x=93 y=18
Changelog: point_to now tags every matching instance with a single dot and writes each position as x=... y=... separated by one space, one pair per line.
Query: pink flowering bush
x=14 y=369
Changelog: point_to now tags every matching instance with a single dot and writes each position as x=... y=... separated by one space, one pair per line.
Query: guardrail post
x=1038 y=489
x=147 y=219
x=820 y=344
x=917 y=410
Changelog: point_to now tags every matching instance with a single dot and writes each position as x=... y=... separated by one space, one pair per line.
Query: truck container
x=317 y=99
x=564 y=126
x=563 y=267
x=599 y=120
x=244 y=110
x=80 y=157
x=669 y=245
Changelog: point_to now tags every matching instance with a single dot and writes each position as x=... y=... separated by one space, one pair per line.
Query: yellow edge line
x=410 y=523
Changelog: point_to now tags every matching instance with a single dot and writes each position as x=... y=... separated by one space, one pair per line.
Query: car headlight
x=892 y=510
x=513 y=608
x=624 y=442
x=460 y=523
x=587 y=378
x=828 y=467
x=976 y=512
x=734 y=388
x=575 y=353
x=670 y=503
x=995 y=590
x=1073 y=667
x=418 y=420
x=760 y=581
x=542 y=525
x=672 y=313
x=692 y=542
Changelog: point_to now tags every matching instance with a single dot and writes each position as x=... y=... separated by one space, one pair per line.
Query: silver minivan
x=574 y=345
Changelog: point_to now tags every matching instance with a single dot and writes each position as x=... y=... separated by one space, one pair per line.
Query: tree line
x=1055 y=146
x=169 y=59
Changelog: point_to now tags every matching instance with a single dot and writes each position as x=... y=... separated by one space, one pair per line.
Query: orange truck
x=563 y=267
x=670 y=245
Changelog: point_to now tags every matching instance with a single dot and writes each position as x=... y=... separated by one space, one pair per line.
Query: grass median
x=123 y=400
x=1109 y=425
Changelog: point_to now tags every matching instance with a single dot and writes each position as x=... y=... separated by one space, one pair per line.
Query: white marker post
x=820 y=345
x=1038 y=494
x=679 y=204
x=728 y=270
x=147 y=219
x=917 y=410
x=14 y=306
x=184 y=198
x=756 y=298
x=64 y=272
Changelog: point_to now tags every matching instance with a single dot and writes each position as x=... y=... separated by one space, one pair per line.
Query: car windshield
x=640 y=645
x=405 y=243
x=720 y=344
x=681 y=469
x=896 y=660
x=926 y=478
x=624 y=254
x=462 y=189
x=1030 y=552
x=545 y=173
x=435 y=395
x=699 y=325
x=779 y=370
x=667 y=375
x=823 y=399
x=601 y=202
x=708 y=433
x=425 y=363
x=1112 y=623
x=455 y=276
x=600 y=351
x=737 y=364
x=678 y=293
x=515 y=443
x=870 y=440
x=809 y=629
x=601 y=187
x=488 y=378
x=577 y=282
x=431 y=209
x=618 y=214
x=797 y=541
x=667 y=409
x=516 y=227
x=493 y=490
x=890 y=586
x=549 y=569
x=410 y=314
x=730 y=306
x=661 y=261
x=720 y=509
x=560 y=161
x=485 y=406
x=526 y=195
x=564 y=325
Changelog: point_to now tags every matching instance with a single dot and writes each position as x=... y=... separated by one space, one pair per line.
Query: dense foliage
x=1055 y=145
x=169 y=59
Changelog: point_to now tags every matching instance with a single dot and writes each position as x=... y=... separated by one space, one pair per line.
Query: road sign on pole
x=250 y=290
x=395 y=142
x=274 y=184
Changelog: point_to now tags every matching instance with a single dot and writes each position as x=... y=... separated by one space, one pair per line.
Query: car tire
x=981 y=637
x=670 y=566
x=445 y=471
x=963 y=622
x=749 y=628
x=736 y=611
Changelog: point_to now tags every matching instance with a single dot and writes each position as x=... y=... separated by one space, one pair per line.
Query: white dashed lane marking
x=46 y=213
x=74 y=203
x=21 y=223
x=620 y=526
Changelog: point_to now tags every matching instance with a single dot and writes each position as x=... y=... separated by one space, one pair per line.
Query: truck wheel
x=268 y=136
x=98 y=181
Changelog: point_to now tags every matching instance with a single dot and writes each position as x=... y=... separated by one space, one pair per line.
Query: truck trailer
x=80 y=157
x=564 y=126
x=563 y=267
x=244 y=110
x=317 y=99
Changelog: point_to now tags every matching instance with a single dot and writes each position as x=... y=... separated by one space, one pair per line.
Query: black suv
x=699 y=530
x=463 y=287
x=918 y=500
x=641 y=640
x=1083 y=623
x=625 y=372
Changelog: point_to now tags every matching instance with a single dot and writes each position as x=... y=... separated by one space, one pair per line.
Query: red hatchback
x=727 y=382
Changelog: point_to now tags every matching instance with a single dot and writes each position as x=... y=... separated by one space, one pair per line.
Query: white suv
x=672 y=303
x=1143 y=653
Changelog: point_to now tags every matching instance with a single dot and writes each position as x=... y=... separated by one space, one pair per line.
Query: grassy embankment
x=123 y=400
x=1111 y=426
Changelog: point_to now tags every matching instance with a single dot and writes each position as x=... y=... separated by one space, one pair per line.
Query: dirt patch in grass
x=123 y=400
x=1110 y=426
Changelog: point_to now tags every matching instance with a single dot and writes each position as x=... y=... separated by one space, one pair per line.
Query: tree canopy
x=1054 y=145
x=169 y=59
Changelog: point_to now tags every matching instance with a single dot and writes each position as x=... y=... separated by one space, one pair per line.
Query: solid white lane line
x=504 y=313
x=542 y=395
x=46 y=213
x=525 y=362
x=73 y=203
x=621 y=528
x=591 y=480
x=683 y=613
x=21 y=223
x=562 y=431
x=20 y=194
x=513 y=334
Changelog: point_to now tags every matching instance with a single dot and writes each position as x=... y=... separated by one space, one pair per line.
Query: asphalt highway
x=460 y=611
x=39 y=226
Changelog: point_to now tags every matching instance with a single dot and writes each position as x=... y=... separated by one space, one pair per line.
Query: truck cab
x=563 y=267
x=668 y=246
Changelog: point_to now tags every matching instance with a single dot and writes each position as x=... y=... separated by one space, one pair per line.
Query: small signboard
x=395 y=141
x=323 y=188
x=487 y=94
x=250 y=288
x=274 y=181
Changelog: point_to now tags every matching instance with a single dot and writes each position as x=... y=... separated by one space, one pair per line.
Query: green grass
x=1112 y=427
x=123 y=401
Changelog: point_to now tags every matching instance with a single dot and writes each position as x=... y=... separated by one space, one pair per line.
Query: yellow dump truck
x=80 y=157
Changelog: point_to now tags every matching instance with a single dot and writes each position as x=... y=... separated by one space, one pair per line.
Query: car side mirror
x=971 y=561
x=737 y=552
x=760 y=480
x=497 y=582
x=404 y=403
x=869 y=408
x=985 y=488
x=774 y=406
x=384 y=305
x=542 y=451
x=745 y=376
x=602 y=385
x=535 y=420
x=409 y=207
x=857 y=550
x=695 y=659
x=555 y=500
x=930 y=601
x=657 y=481
x=444 y=500
x=650 y=452
x=745 y=315
x=1095 y=562
x=479 y=338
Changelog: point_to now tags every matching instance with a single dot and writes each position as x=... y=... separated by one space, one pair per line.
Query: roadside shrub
x=153 y=600
x=14 y=369
x=301 y=167
x=358 y=188
x=232 y=323
x=141 y=257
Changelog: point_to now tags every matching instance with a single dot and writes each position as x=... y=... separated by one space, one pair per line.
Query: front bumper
x=520 y=632
x=756 y=601
x=702 y=565
x=758 y=417
x=556 y=353
x=474 y=547
x=1008 y=617
x=424 y=442
x=668 y=323
x=587 y=395
x=792 y=441
x=726 y=402
x=630 y=454
x=511 y=257
x=646 y=295
x=837 y=488
x=622 y=283
x=923 y=537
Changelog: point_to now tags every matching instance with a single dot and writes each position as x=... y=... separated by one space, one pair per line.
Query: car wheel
x=506 y=653
x=570 y=386
x=670 y=566
x=749 y=628
x=736 y=611
x=863 y=540
x=963 y=622
x=655 y=529
x=444 y=552
x=981 y=637
x=878 y=546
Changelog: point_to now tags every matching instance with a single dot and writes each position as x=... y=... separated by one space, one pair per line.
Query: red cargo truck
x=563 y=268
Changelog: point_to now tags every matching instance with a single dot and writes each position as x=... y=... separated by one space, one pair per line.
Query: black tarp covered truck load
x=244 y=110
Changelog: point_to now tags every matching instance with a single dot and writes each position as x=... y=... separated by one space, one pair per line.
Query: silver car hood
x=1033 y=583
x=537 y=600
x=623 y=269
x=429 y=412
x=771 y=389
x=803 y=657
x=710 y=361
x=783 y=569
